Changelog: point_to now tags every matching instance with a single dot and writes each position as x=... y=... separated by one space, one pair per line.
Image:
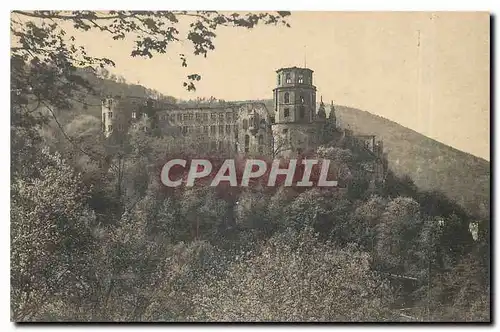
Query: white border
x=358 y=5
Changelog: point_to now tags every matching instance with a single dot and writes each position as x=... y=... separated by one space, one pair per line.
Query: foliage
x=294 y=278
x=50 y=232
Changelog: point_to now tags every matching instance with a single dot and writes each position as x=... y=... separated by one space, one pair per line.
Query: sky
x=426 y=71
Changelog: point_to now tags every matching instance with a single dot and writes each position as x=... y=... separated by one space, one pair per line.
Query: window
x=205 y=129
x=103 y=116
x=213 y=116
x=221 y=129
x=263 y=123
x=229 y=116
x=286 y=112
x=145 y=115
x=245 y=124
x=302 y=112
x=212 y=130
x=288 y=78
x=285 y=131
x=279 y=79
x=198 y=116
x=190 y=116
x=247 y=143
x=301 y=79
x=302 y=100
x=205 y=116
x=261 y=139
x=185 y=117
x=221 y=116
x=219 y=145
x=184 y=130
x=286 y=98
x=110 y=127
x=179 y=117
x=228 y=129
x=110 y=115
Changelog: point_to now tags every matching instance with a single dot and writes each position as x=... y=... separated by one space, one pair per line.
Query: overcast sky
x=428 y=72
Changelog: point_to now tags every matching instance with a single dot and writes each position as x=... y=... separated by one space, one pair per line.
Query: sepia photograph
x=250 y=166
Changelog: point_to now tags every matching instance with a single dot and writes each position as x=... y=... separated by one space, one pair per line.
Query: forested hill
x=431 y=165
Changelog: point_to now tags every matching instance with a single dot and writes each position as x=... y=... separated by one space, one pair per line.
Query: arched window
x=302 y=100
x=245 y=124
x=287 y=97
x=288 y=78
x=301 y=79
x=261 y=139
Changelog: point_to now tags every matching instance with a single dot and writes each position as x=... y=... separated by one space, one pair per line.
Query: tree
x=398 y=232
x=294 y=278
x=51 y=236
x=280 y=145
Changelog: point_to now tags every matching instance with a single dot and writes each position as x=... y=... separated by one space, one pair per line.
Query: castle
x=292 y=128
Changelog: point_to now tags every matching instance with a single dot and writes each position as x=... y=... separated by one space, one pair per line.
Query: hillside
x=432 y=165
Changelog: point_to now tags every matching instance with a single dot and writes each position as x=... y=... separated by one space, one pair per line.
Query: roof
x=294 y=67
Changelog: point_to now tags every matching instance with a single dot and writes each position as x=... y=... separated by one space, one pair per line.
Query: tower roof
x=294 y=67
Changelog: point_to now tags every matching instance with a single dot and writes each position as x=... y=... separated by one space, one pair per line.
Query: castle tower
x=295 y=129
x=295 y=96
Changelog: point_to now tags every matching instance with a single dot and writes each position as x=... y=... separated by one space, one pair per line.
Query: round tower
x=294 y=96
x=295 y=129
